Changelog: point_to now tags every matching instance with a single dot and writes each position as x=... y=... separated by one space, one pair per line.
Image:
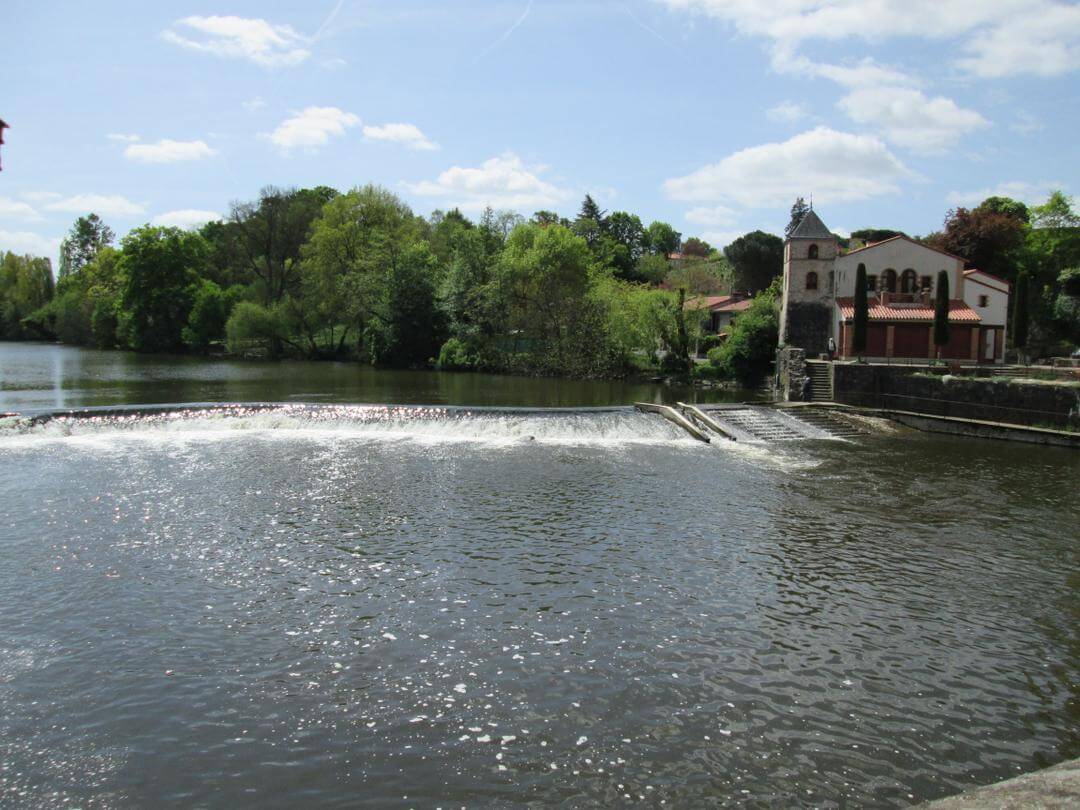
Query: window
x=924 y=283
x=908 y=281
x=812 y=252
x=889 y=284
x=811 y=280
x=984 y=300
x=871 y=283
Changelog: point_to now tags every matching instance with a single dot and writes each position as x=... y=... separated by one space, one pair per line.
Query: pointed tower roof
x=811 y=227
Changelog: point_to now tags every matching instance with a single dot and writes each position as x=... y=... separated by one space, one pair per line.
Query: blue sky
x=710 y=114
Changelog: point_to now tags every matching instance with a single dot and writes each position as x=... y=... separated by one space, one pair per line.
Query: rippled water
x=390 y=607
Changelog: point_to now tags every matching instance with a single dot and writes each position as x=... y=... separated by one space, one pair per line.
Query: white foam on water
x=429 y=426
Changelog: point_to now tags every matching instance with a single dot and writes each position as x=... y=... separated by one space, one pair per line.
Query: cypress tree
x=941 y=311
x=1020 y=312
x=862 y=312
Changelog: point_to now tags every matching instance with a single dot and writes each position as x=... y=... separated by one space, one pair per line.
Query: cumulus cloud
x=255 y=40
x=108 y=205
x=718 y=216
x=406 y=134
x=41 y=196
x=908 y=118
x=28 y=242
x=312 y=127
x=834 y=166
x=501 y=182
x=18 y=210
x=169 y=151
x=786 y=112
x=1000 y=39
x=1030 y=193
x=185 y=218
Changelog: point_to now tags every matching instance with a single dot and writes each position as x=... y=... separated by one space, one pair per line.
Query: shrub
x=454 y=356
x=251 y=323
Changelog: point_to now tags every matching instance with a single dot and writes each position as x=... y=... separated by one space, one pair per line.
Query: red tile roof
x=959 y=312
x=906 y=239
x=734 y=306
x=718 y=303
x=973 y=271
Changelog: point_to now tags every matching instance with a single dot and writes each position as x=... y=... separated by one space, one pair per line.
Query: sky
x=713 y=115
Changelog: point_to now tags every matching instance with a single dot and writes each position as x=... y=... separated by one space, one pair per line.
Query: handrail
x=705 y=419
x=674 y=416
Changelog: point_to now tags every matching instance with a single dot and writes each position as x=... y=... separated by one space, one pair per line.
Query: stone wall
x=994 y=400
x=790 y=372
x=808 y=327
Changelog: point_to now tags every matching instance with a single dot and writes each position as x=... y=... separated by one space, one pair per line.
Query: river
x=432 y=606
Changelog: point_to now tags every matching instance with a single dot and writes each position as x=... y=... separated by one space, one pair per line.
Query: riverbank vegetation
x=318 y=274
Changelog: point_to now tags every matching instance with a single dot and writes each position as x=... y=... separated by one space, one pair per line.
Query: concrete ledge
x=957 y=426
x=1050 y=789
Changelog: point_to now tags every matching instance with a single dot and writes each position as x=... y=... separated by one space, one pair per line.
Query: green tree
x=749 y=350
x=984 y=238
x=662 y=239
x=1020 y=314
x=210 y=310
x=941 y=311
x=697 y=248
x=869 y=236
x=26 y=285
x=862 y=312
x=757 y=258
x=798 y=211
x=159 y=267
x=87 y=237
x=1006 y=206
x=409 y=323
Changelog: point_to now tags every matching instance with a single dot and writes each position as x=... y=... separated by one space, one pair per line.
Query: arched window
x=889 y=283
x=909 y=281
x=811 y=280
x=812 y=252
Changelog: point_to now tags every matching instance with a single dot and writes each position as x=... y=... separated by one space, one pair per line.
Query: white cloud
x=908 y=118
x=185 y=218
x=1025 y=192
x=312 y=128
x=721 y=239
x=41 y=196
x=101 y=204
x=27 y=242
x=251 y=105
x=833 y=166
x=501 y=182
x=18 y=210
x=786 y=112
x=256 y=40
x=405 y=134
x=719 y=216
x=169 y=151
x=1005 y=38
x=114 y=136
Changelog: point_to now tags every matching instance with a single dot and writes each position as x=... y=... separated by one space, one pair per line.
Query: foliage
x=83 y=243
x=798 y=210
x=662 y=238
x=862 y=312
x=159 y=267
x=751 y=346
x=700 y=277
x=210 y=311
x=698 y=248
x=454 y=356
x=26 y=285
x=986 y=239
x=941 y=310
x=1020 y=311
x=869 y=236
x=408 y=325
x=252 y=325
x=757 y=258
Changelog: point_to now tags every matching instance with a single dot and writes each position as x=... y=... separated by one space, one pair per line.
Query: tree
x=798 y=211
x=941 y=311
x=1006 y=206
x=209 y=314
x=869 y=236
x=1056 y=212
x=591 y=211
x=862 y=312
x=757 y=258
x=698 y=248
x=87 y=237
x=984 y=238
x=26 y=285
x=662 y=239
x=1020 y=314
x=627 y=237
x=159 y=267
x=408 y=327
x=751 y=346
x=547 y=218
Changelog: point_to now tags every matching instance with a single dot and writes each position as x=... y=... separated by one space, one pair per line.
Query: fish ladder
x=675 y=417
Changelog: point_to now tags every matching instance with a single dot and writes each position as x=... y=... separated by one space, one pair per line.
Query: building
x=901 y=275
x=722 y=309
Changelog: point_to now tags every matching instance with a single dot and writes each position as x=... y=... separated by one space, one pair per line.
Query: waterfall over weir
x=436 y=424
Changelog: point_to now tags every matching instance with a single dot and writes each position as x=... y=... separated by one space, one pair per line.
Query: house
x=722 y=309
x=901 y=276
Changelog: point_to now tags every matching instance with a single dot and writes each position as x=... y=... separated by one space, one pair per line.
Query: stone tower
x=806 y=314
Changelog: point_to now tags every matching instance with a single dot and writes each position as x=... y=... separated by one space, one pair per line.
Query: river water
x=423 y=607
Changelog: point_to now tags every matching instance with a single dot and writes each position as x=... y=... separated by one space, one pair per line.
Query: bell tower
x=809 y=297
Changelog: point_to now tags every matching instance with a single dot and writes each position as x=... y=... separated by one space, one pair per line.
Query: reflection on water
x=382 y=609
x=42 y=377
